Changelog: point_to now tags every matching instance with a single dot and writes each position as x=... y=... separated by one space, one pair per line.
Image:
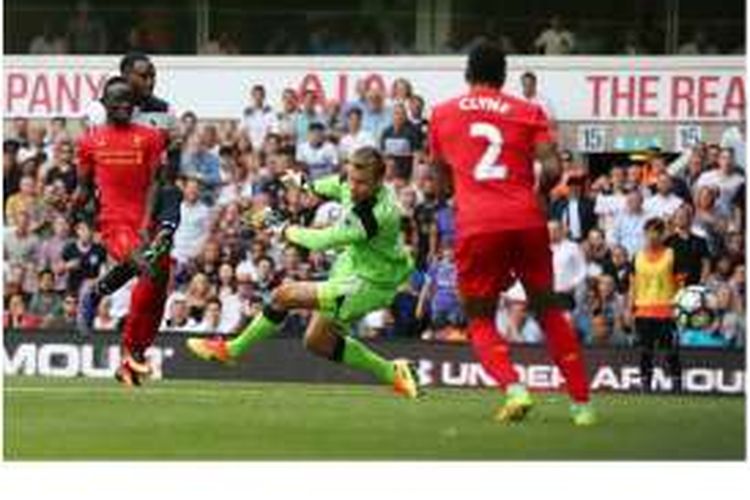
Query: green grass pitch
x=78 y=419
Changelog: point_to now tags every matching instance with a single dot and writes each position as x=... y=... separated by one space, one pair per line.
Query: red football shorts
x=120 y=240
x=488 y=264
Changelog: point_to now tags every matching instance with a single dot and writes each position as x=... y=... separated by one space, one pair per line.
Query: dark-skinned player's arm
x=163 y=199
x=549 y=157
x=83 y=201
x=546 y=152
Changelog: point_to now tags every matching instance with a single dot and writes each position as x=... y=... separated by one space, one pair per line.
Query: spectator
x=400 y=141
x=632 y=44
x=441 y=291
x=597 y=253
x=734 y=247
x=19 y=132
x=688 y=168
x=568 y=265
x=258 y=119
x=198 y=292
x=530 y=93
x=11 y=169
x=16 y=317
x=67 y=320
x=211 y=323
x=515 y=323
x=178 y=316
x=104 y=319
x=408 y=313
x=692 y=263
x=334 y=120
x=26 y=200
x=86 y=35
x=188 y=124
x=48 y=42
x=726 y=179
x=199 y=162
x=415 y=107
x=319 y=156
x=555 y=40
x=62 y=167
x=629 y=224
x=425 y=217
x=664 y=203
x=355 y=137
x=307 y=116
x=401 y=91
x=360 y=101
x=51 y=251
x=376 y=117
x=444 y=229
x=286 y=119
x=59 y=130
x=732 y=137
x=21 y=246
x=231 y=302
x=730 y=317
x=83 y=257
x=610 y=200
x=222 y=45
x=607 y=314
x=576 y=211
x=698 y=45
x=230 y=231
x=208 y=261
x=571 y=170
x=195 y=222
x=46 y=303
x=708 y=223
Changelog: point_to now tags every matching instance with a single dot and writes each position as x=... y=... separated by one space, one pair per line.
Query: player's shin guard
x=146 y=309
x=565 y=350
x=261 y=327
x=492 y=351
x=356 y=355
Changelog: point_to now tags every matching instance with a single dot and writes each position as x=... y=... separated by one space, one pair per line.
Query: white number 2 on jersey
x=487 y=168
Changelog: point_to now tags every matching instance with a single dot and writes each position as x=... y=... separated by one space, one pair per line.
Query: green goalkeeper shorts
x=345 y=297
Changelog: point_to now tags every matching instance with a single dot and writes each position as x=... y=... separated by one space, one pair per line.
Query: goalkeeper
x=373 y=263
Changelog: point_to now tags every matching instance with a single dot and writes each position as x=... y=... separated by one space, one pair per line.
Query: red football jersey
x=487 y=138
x=123 y=162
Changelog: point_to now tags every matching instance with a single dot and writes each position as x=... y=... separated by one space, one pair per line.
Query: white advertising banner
x=591 y=89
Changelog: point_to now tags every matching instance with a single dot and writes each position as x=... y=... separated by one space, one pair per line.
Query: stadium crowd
x=227 y=264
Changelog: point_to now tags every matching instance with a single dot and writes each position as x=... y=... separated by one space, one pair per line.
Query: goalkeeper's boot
x=90 y=300
x=583 y=414
x=517 y=405
x=210 y=349
x=405 y=380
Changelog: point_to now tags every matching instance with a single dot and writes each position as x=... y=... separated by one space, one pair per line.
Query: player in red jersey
x=119 y=163
x=488 y=140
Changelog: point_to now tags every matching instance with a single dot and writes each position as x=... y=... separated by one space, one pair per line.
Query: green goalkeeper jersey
x=369 y=233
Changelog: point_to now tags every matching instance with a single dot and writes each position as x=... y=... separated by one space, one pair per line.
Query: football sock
x=261 y=327
x=565 y=350
x=357 y=355
x=115 y=279
x=146 y=309
x=492 y=351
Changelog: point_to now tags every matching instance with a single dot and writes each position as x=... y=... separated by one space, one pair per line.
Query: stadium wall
x=67 y=354
x=601 y=103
